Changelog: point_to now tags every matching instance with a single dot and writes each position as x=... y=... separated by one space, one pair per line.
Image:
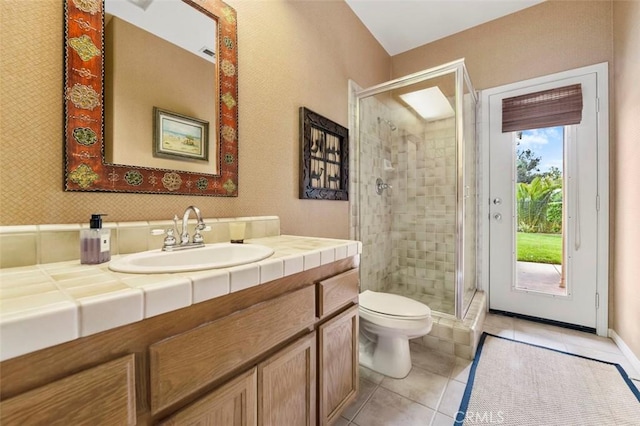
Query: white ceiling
x=173 y=21
x=401 y=25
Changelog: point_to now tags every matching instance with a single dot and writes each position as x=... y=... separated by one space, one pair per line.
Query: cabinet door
x=287 y=385
x=233 y=404
x=337 y=364
x=101 y=395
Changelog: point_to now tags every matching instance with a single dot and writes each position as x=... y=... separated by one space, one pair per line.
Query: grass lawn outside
x=539 y=248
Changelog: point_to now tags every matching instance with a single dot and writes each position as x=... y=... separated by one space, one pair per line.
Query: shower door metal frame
x=461 y=77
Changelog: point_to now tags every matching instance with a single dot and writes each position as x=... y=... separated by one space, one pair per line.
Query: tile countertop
x=48 y=304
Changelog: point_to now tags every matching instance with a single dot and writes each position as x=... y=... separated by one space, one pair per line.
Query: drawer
x=338 y=291
x=183 y=364
x=100 y=395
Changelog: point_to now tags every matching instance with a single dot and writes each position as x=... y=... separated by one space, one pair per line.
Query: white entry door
x=568 y=290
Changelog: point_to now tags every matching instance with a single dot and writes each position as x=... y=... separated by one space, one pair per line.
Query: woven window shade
x=548 y=108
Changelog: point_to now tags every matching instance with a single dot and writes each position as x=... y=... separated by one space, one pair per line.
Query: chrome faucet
x=197 y=237
x=171 y=243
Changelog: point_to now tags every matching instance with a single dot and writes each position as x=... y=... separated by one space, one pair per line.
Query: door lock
x=497 y=217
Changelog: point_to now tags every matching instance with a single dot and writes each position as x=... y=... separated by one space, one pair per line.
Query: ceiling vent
x=208 y=51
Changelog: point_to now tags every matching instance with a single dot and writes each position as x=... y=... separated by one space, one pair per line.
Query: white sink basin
x=211 y=256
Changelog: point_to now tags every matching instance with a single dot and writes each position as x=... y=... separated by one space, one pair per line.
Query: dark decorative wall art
x=324 y=154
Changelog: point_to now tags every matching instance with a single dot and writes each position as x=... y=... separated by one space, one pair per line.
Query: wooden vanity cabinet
x=100 y=395
x=283 y=353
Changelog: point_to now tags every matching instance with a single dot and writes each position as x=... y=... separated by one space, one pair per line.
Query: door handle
x=497 y=201
x=497 y=217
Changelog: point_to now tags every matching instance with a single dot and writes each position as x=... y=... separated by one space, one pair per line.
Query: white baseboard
x=633 y=359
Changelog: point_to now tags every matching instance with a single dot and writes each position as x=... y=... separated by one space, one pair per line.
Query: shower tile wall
x=408 y=232
x=424 y=215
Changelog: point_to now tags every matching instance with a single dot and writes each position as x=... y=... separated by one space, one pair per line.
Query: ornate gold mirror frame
x=85 y=166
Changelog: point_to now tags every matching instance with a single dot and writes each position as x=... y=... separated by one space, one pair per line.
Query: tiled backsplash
x=27 y=245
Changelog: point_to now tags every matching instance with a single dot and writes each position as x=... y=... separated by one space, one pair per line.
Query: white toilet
x=387 y=322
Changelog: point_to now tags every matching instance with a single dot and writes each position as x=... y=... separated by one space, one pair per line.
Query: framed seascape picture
x=179 y=137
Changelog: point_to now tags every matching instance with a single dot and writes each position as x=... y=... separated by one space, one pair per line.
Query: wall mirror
x=151 y=107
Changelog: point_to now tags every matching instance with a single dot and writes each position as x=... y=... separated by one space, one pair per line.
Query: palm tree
x=533 y=200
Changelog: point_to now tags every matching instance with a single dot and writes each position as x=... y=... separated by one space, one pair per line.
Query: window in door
x=539 y=194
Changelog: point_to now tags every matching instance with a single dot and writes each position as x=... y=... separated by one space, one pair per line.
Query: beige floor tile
x=442 y=420
x=546 y=330
x=499 y=321
x=588 y=340
x=547 y=340
x=539 y=333
x=419 y=386
x=461 y=370
x=341 y=422
x=386 y=408
x=594 y=353
x=370 y=375
x=452 y=397
x=366 y=390
x=499 y=331
x=431 y=360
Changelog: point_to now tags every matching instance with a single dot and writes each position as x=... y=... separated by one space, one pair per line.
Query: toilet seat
x=394 y=325
x=387 y=322
x=393 y=306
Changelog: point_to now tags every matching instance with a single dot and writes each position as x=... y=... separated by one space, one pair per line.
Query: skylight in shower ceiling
x=430 y=103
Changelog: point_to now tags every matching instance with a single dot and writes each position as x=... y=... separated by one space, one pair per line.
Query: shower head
x=388 y=123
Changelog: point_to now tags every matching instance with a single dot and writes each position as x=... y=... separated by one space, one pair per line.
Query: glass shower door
x=470 y=198
x=408 y=229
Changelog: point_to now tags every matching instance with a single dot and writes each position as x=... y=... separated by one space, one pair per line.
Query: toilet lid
x=392 y=304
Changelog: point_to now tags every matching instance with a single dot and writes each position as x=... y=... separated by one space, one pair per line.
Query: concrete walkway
x=541 y=277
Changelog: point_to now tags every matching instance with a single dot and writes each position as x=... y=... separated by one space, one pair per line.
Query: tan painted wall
x=625 y=173
x=291 y=54
x=550 y=37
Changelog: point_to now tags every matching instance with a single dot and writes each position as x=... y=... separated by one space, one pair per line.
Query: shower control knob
x=381 y=186
x=497 y=217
